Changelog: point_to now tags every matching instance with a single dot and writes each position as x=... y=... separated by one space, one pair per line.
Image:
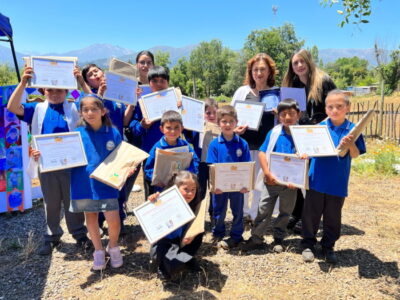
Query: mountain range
x=101 y=53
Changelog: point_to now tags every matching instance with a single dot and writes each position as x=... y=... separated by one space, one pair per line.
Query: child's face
x=92 y=113
x=336 y=108
x=158 y=84
x=227 y=125
x=55 y=96
x=171 y=131
x=188 y=190
x=289 y=117
x=211 y=114
x=94 y=76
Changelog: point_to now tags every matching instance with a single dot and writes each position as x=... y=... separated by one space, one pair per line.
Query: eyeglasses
x=144 y=62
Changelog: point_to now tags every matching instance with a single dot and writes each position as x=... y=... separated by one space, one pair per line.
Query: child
x=149 y=131
x=277 y=140
x=195 y=138
x=227 y=147
x=95 y=82
x=171 y=127
x=89 y=195
x=328 y=181
x=54 y=115
x=167 y=254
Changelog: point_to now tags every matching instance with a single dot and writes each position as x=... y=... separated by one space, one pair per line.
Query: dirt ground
x=368 y=252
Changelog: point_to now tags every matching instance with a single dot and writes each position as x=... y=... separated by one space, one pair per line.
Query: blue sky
x=59 y=26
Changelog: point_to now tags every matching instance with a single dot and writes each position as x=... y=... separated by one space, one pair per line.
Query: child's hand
x=291 y=186
x=218 y=192
x=187 y=241
x=139 y=92
x=28 y=74
x=302 y=156
x=244 y=190
x=270 y=180
x=240 y=129
x=153 y=197
x=35 y=154
x=146 y=123
x=347 y=141
x=131 y=171
x=102 y=88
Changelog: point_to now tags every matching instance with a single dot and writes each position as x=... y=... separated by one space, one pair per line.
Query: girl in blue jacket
x=89 y=195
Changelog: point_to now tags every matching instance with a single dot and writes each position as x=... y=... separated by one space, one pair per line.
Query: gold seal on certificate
x=313 y=140
x=289 y=168
x=232 y=177
x=60 y=151
x=162 y=217
x=53 y=72
x=249 y=113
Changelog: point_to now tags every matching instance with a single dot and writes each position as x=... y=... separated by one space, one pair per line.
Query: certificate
x=271 y=98
x=288 y=168
x=232 y=177
x=298 y=94
x=162 y=217
x=313 y=140
x=155 y=104
x=60 y=151
x=120 y=88
x=249 y=113
x=146 y=89
x=192 y=114
x=123 y=68
x=53 y=72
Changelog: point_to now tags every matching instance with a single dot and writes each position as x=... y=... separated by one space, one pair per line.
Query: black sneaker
x=228 y=243
x=47 y=247
x=122 y=232
x=250 y=244
x=298 y=228
x=84 y=243
x=292 y=222
x=329 y=255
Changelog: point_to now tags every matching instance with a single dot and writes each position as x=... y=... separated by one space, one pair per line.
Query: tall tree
x=7 y=75
x=162 y=59
x=278 y=42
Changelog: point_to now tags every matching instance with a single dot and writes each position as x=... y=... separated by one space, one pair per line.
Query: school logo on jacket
x=239 y=152
x=110 y=145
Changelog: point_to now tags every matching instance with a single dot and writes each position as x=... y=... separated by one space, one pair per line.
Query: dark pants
x=203 y=183
x=298 y=208
x=317 y=205
x=220 y=206
x=170 y=257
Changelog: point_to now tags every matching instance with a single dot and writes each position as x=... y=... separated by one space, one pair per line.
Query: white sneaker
x=136 y=188
x=99 y=262
x=116 y=260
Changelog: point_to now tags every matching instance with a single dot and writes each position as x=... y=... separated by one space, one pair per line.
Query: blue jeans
x=220 y=205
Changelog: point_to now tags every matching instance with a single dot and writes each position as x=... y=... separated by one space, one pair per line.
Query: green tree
x=162 y=59
x=180 y=76
x=209 y=62
x=391 y=72
x=278 y=42
x=7 y=75
x=236 y=73
x=353 y=11
x=348 y=71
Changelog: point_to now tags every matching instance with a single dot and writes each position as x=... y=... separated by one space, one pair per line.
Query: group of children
x=84 y=198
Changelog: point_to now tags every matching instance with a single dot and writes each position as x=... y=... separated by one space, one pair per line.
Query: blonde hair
x=315 y=76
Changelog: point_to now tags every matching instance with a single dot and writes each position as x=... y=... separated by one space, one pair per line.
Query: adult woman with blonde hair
x=260 y=75
x=303 y=73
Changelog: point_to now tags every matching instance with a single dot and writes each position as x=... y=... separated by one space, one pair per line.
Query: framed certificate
x=120 y=88
x=146 y=89
x=162 y=217
x=192 y=114
x=271 y=98
x=249 y=113
x=288 y=168
x=60 y=151
x=155 y=104
x=313 y=140
x=53 y=72
x=232 y=177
